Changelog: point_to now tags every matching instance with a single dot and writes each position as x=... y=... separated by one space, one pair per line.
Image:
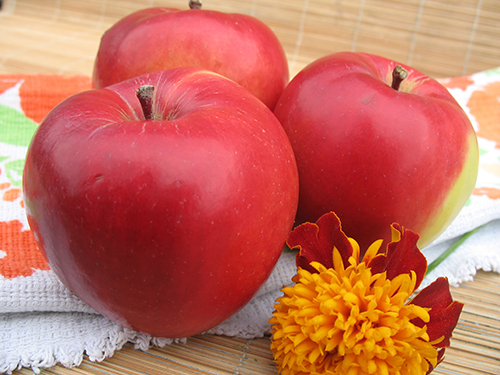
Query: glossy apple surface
x=374 y=154
x=237 y=46
x=170 y=225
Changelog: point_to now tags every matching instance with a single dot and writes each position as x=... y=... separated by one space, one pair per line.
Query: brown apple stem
x=145 y=96
x=398 y=75
x=194 y=4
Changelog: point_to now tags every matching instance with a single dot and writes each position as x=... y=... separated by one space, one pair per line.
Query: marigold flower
x=346 y=315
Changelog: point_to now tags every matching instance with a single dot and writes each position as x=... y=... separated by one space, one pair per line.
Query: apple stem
x=145 y=96
x=194 y=4
x=398 y=75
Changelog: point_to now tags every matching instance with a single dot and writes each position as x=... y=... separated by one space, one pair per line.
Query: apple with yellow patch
x=378 y=142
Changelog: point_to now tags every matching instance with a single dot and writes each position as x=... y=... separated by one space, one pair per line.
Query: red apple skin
x=376 y=155
x=236 y=46
x=166 y=226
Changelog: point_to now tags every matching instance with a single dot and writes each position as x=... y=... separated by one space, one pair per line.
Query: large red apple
x=377 y=149
x=237 y=46
x=165 y=217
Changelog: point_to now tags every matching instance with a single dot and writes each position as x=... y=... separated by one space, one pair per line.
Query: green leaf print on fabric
x=14 y=171
x=492 y=72
x=15 y=128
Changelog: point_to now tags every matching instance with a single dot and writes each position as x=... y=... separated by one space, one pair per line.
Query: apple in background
x=237 y=46
x=167 y=211
x=378 y=149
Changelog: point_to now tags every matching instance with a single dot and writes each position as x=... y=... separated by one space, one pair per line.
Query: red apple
x=165 y=217
x=376 y=149
x=237 y=46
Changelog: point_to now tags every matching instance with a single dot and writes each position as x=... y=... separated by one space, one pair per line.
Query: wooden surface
x=440 y=38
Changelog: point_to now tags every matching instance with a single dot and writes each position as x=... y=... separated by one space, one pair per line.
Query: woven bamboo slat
x=441 y=38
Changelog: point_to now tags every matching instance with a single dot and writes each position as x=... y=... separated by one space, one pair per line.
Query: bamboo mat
x=440 y=38
x=475 y=346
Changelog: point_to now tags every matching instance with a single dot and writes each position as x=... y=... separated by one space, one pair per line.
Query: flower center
x=348 y=321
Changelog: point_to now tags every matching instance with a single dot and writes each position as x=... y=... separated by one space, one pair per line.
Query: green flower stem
x=451 y=249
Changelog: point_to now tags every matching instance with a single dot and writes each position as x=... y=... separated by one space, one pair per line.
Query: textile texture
x=42 y=323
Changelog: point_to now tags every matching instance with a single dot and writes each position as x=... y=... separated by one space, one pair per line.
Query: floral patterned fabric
x=42 y=323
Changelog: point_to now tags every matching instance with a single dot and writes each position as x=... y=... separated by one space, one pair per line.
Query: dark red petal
x=401 y=257
x=317 y=241
x=436 y=294
x=444 y=313
x=440 y=358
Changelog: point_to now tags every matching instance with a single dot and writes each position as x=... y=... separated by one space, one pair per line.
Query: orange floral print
x=484 y=105
x=22 y=256
x=457 y=82
x=10 y=193
x=33 y=86
x=491 y=193
x=39 y=94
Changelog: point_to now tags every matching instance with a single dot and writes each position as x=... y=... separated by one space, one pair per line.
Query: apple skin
x=165 y=226
x=375 y=155
x=236 y=46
